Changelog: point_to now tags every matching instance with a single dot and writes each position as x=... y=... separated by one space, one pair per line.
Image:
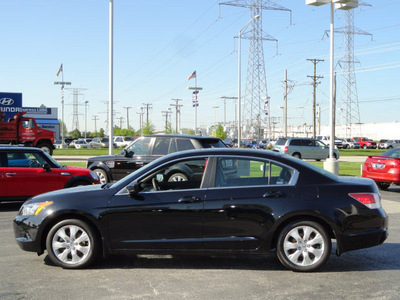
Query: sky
x=158 y=44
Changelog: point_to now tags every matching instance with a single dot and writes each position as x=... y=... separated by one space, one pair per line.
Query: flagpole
x=62 y=83
x=195 y=107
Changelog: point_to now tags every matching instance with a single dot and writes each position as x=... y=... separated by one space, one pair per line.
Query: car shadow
x=373 y=259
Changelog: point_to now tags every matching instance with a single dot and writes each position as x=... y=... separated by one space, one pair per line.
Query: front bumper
x=26 y=232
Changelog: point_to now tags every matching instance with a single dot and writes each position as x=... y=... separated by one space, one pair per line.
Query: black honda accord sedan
x=226 y=201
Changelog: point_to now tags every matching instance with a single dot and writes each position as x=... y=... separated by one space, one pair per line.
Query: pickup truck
x=365 y=143
x=25 y=131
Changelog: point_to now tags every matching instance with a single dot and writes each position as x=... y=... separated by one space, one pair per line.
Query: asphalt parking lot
x=372 y=273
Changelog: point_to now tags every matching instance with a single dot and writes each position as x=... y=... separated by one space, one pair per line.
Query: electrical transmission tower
x=256 y=82
x=349 y=87
x=75 y=105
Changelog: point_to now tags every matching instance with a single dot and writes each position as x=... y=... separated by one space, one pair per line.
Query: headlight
x=94 y=175
x=33 y=209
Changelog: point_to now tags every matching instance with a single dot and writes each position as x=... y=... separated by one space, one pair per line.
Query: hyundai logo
x=6 y=101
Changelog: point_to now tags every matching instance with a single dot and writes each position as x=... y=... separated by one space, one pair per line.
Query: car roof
x=19 y=148
x=199 y=137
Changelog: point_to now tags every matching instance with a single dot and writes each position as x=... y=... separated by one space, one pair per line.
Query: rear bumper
x=354 y=240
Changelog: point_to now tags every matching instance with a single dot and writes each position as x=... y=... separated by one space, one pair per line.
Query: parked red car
x=26 y=172
x=383 y=169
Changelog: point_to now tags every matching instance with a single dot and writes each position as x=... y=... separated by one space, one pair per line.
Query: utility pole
x=120 y=121
x=165 y=113
x=141 y=120
x=127 y=116
x=95 y=118
x=315 y=83
x=228 y=98
x=177 y=113
x=285 y=106
x=147 y=106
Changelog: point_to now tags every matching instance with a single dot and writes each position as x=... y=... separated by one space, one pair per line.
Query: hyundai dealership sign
x=10 y=104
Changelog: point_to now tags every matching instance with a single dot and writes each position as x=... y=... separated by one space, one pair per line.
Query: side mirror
x=127 y=153
x=46 y=167
x=134 y=191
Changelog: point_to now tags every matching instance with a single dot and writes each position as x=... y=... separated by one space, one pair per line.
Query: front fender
x=80 y=178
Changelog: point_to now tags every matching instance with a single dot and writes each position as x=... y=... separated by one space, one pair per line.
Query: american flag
x=192 y=76
x=60 y=70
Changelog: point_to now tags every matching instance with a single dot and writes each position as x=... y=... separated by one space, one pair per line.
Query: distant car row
x=98 y=142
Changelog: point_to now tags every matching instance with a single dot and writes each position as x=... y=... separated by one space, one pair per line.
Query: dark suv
x=144 y=150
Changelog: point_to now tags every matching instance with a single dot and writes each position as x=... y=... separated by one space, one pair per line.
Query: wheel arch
x=82 y=216
x=102 y=166
x=302 y=217
x=79 y=178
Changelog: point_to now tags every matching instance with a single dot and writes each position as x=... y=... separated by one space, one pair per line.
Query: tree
x=168 y=128
x=191 y=132
x=63 y=127
x=148 y=129
x=75 y=134
x=101 y=132
x=220 y=132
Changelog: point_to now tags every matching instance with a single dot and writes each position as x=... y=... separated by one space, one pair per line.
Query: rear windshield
x=212 y=143
x=280 y=142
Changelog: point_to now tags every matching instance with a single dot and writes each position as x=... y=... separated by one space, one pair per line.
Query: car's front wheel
x=304 y=246
x=72 y=244
x=102 y=175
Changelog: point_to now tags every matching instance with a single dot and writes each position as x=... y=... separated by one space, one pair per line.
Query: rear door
x=246 y=197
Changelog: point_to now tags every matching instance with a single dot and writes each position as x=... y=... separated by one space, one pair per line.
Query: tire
x=365 y=147
x=46 y=148
x=390 y=147
x=383 y=185
x=72 y=244
x=178 y=177
x=334 y=156
x=297 y=155
x=102 y=175
x=304 y=246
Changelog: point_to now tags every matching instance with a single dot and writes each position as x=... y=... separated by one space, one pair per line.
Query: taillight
x=370 y=200
x=286 y=148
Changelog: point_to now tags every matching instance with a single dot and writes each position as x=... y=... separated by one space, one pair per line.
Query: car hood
x=69 y=193
x=102 y=158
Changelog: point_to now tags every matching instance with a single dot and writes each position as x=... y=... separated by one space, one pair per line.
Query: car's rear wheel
x=297 y=155
x=304 y=246
x=102 y=175
x=383 y=185
x=72 y=244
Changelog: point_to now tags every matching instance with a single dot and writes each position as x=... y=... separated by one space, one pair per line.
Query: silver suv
x=304 y=148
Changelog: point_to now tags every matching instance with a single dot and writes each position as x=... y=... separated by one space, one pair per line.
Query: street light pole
x=86 y=102
x=331 y=164
x=240 y=79
x=110 y=110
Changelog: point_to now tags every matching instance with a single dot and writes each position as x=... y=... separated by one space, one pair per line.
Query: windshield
x=395 y=152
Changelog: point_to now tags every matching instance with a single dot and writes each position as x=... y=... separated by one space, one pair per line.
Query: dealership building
x=46 y=117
